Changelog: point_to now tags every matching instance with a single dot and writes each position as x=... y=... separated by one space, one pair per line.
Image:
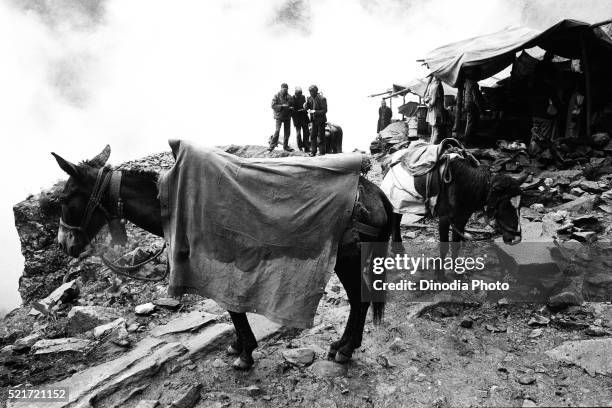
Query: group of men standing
x=303 y=111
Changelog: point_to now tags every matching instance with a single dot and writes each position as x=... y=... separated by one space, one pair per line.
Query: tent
x=481 y=57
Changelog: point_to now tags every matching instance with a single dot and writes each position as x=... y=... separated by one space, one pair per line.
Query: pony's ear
x=71 y=169
x=102 y=157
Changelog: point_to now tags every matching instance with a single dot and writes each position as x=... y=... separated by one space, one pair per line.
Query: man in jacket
x=281 y=106
x=384 y=116
x=473 y=102
x=300 y=120
x=434 y=99
x=316 y=105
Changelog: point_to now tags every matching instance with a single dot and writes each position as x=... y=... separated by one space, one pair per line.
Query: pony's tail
x=378 y=304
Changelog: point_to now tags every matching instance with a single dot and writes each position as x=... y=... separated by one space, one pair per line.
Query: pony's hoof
x=342 y=358
x=232 y=351
x=331 y=354
x=240 y=364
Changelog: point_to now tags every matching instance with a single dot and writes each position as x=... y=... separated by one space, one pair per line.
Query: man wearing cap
x=300 y=119
x=316 y=105
x=281 y=106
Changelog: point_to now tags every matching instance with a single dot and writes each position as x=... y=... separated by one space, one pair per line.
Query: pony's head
x=503 y=204
x=82 y=217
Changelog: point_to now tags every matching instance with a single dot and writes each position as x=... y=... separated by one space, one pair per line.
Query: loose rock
x=60 y=345
x=467 y=323
x=105 y=329
x=526 y=379
x=563 y=300
x=218 y=363
x=538 y=320
x=168 y=303
x=147 y=404
x=299 y=356
x=189 y=399
x=397 y=345
x=65 y=293
x=83 y=318
x=144 y=309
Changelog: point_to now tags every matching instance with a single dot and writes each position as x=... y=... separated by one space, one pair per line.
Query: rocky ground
x=116 y=342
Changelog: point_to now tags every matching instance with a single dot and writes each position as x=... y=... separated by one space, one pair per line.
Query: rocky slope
x=120 y=342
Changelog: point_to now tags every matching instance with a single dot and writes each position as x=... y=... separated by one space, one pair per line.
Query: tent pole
x=458 y=108
x=587 y=80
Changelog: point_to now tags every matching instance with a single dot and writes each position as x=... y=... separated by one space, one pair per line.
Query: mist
x=78 y=75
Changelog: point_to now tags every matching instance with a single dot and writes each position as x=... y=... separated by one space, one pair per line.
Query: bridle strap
x=102 y=182
x=115 y=193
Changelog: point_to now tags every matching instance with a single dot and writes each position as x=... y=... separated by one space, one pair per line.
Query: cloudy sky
x=76 y=75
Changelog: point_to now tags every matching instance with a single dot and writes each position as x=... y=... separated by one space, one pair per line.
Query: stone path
x=168 y=342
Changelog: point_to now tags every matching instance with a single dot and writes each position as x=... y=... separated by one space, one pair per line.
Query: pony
x=88 y=202
x=463 y=190
x=333 y=137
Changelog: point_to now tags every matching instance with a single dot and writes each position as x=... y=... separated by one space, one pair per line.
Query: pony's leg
x=443 y=230
x=396 y=220
x=246 y=337
x=342 y=349
x=457 y=234
x=363 y=312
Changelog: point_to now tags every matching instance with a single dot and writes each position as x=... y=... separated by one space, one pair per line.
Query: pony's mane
x=151 y=175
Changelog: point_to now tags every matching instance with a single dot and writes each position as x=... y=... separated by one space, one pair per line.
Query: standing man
x=316 y=105
x=472 y=102
x=434 y=99
x=300 y=119
x=281 y=105
x=384 y=116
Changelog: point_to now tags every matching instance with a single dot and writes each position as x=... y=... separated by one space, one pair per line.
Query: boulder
x=584 y=203
x=590 y=186
x=591 y=355
x=83 y=318
x=25 y=343
x=563 y=300
x=65 y=293
x=585 y=236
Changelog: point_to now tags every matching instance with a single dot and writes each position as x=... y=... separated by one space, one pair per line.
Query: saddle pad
x=419 y=157
x=398 y=185
x=256 y=235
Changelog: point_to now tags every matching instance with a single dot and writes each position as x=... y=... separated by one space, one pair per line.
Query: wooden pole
x=404 y=102
x=458 y=108
x=587 y=82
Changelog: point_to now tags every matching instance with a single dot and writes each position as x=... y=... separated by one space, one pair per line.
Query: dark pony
x=88 y=202
x=469 y=189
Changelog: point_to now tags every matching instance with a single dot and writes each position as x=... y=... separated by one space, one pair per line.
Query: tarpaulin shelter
x=417 y=87
x=481 y=57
